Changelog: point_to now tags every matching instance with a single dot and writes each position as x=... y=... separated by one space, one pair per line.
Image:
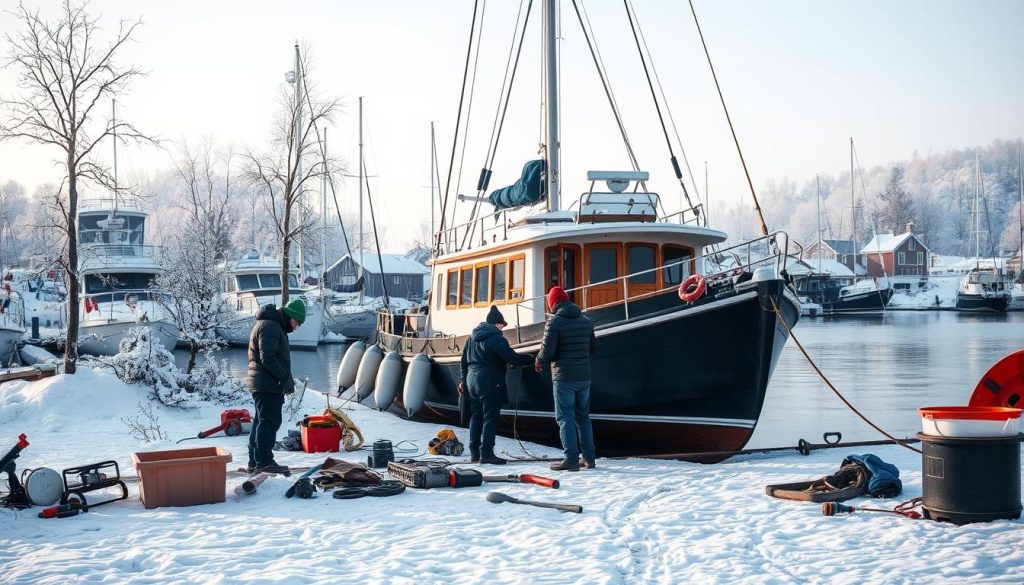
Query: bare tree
x=64 y=72
x=292 y=164
x=207 y=185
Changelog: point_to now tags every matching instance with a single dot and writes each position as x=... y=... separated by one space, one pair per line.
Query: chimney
x=910 y=227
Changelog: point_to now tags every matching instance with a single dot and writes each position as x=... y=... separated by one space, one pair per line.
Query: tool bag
x=335 y=473
x=419 y=474
x=445 y=444
x=859 y=475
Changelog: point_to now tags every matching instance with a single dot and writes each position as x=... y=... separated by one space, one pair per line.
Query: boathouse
x=896 y=255
x=403 y=277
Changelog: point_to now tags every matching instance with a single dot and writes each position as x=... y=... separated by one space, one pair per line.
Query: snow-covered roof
x=393 y=264
x=888 y=243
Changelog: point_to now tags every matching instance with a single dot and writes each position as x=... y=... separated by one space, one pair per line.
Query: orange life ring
x=693 y=288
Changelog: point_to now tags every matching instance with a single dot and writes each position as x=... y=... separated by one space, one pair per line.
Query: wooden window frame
x=472 y=274
x=505 y=295
x=509 y=289
x=476 y=284
x=901 y=258
x=447 y=298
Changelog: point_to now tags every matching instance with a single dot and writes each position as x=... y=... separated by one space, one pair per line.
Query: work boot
x=566 y=465
x=273 y=468
x=492 y=459
x=587 y=463
x=474 y=457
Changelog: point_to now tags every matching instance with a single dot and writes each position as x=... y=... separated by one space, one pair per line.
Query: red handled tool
x=63 y=510
x=524 y=478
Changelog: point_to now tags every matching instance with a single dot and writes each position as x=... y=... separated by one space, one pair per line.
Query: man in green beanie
x=270 y=379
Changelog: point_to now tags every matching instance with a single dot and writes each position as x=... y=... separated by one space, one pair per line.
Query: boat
x=254 y=281
x=809 y=308
x=836 y=298
x=670 y=376
x=985 y=288
x=116 y=268
x=12 y=323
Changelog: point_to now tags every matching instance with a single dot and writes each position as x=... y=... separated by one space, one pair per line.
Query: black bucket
x=970 y=479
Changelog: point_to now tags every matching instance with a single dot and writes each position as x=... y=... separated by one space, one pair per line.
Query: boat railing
x=775 y=246
x=108 y=203
x=12 y=310
x=116 y=305
x=692 y=215
x=474 y=232
x=118 y=252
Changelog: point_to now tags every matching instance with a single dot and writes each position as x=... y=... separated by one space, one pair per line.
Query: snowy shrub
x=142 y=359
x=210 y=380
x=146 y=426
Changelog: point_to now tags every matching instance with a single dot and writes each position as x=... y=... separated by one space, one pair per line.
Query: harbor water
x=887 y=366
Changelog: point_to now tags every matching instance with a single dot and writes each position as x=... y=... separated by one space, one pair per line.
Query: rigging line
x=499 y=125
x=661 y=90
x=505 y=81
x=455 y=139
x=657 y=106
x=739 y=151
x=376 y=240
x=469 y=111
x=607 y=89
x=330 y=176
x=828 y=382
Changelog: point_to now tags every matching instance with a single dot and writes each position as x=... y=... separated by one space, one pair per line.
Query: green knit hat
x=296 y=309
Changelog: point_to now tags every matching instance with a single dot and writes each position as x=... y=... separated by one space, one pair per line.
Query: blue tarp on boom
x=529 y=189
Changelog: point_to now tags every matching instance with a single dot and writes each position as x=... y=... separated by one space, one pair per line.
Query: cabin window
x=498 y=273
x=920 y=257
x=270 y=280
x=398 y=280
x=638 y=259
x=604 y=264
x=902 y=258
x=453 y=288
x=440 y=291
x=483 y=281
x=466 y=287
x=248 y=282
x=912 y=244
x=569 y=271
x=677 y=265
x=518 y=281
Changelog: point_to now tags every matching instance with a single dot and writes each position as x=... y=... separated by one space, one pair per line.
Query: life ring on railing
x=693 y=288
x=91 y=304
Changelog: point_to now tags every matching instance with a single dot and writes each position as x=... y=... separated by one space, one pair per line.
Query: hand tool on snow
x=904 y=509
x=303 y=487
x=498 y=498
x=233 y=422
x=524 y=478
x=249 y=486
x=64 y=510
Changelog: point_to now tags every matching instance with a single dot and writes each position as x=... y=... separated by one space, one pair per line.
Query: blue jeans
x=572 y=411
x=483 y=423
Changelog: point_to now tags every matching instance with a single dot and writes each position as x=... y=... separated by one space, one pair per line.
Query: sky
x=800 y=79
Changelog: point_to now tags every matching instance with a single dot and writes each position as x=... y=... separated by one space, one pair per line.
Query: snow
x=644 y=521
x=393 y=264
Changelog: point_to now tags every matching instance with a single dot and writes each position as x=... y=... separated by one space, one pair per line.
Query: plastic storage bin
x=321 y=439
x=970 y=421
x=182 y=477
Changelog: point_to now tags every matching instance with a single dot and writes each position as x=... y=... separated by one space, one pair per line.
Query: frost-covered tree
x=293 y=163
x=66 y=77
x=895 y=204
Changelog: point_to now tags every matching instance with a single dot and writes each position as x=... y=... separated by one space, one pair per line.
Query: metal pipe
x=551 y=39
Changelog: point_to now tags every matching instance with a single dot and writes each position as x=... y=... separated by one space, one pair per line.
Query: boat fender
x=367 y=374
x=417 y=380
x=693 y=288
x=350 y=365
x=389 y=380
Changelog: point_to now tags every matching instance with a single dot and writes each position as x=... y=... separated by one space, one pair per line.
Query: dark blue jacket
x=485 y=360
x=568 y=343
x=270 y=362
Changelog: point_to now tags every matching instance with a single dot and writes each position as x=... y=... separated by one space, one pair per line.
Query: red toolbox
x=320 y=434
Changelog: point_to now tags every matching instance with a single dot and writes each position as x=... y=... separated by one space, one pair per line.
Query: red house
x=841 y=251
x=896 y=255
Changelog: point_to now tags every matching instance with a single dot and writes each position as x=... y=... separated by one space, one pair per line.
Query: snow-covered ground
x=643 y=521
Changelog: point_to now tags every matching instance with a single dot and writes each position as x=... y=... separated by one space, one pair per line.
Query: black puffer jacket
x=568 y=343
x=270 y=363
x=485 y=360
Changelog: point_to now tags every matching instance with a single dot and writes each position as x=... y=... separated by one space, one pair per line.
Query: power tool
x=16 y=496
x=233 y=422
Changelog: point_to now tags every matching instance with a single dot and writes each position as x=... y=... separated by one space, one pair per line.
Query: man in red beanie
x=568 y=343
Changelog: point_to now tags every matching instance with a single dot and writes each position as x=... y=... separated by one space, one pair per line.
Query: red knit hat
x=556 y=295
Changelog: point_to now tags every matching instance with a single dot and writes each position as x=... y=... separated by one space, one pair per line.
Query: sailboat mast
x=360 y=243
x=433 y=155
x=853 y=208
x=550 y=40
x=113 y=130
x=817 y=181
x=1020 y=207
x=977 y=210
x=298 y=154
x=323 y=214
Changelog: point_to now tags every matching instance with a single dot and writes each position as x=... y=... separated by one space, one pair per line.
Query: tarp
x=529 y=189
x=350 y=288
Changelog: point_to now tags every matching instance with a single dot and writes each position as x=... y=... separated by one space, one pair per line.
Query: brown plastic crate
x=182 y=477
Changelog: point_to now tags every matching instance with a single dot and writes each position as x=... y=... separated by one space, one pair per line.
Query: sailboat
x=860 y=297
x=985 y=289
x=670 y=376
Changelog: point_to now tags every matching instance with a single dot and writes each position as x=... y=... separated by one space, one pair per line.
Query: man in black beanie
x=485 y=359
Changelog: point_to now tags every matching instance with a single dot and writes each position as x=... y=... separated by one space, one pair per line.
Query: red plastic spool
x=1003 y=384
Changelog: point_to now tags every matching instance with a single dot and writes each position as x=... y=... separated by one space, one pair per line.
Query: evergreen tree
x=896 y=206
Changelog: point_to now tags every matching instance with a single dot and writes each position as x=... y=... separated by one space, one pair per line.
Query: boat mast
x=853 y=214
x=1020 y=208
x=818 y=202
x=298 y=154
x=977 y=214
x=323 y=213
x=550 y=40
x=433 y=157
x=360 y=243
x=113 y=130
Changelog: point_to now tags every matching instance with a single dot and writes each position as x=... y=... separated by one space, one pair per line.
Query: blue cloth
x=265 y=424
x=529 y=189
x=572 y=411
x=883 y=478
